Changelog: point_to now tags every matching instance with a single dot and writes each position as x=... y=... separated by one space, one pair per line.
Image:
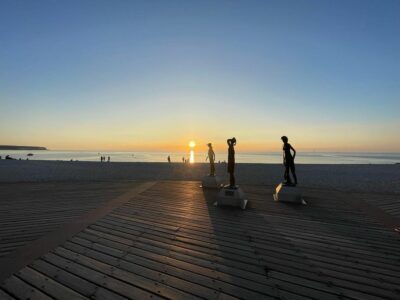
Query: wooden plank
x=47 y=285
x=98 y=278
x=22 y=290
x=162 y=278
x=139 y=281
x=5 y=296
x=82 y=286
x=231 y=284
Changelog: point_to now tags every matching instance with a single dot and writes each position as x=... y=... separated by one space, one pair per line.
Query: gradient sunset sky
x=153 y=75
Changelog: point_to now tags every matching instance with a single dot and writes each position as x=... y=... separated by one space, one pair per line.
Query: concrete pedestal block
x=231 y=197
x=288 y=193
x=211 y=182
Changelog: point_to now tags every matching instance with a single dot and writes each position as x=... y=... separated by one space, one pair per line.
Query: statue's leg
x=293 y=169
x=212 y=168
x=287 y=175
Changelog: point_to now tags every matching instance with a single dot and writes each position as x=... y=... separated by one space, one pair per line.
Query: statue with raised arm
x=232 y=194
x=288 y=161
x=211 y=158
x=231 y=162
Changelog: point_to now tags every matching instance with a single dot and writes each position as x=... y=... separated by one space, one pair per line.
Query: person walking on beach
x=169 y=159
x=108 y=159
x=288 y=161
x=211 y=157
x=231 y=162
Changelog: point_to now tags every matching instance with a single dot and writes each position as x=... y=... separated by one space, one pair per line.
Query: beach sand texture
x=353 y=178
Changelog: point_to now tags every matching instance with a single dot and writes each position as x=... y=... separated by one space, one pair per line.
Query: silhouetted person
x=231 y=162
x=211 y=157
x=288 y=161
x=9 y=157
x=169 y=159
x=183 y=159
x=108 y=159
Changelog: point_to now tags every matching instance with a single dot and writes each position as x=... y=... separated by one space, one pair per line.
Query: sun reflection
x=191 y=157
x=192 y=144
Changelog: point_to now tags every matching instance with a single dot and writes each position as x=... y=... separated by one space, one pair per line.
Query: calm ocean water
x=269 y=157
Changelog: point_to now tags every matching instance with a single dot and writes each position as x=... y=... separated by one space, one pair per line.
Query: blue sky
x=128 y=75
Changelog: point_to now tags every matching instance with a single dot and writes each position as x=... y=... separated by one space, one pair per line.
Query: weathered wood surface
x=171 y=242
x=389 y=203
x=30 y=210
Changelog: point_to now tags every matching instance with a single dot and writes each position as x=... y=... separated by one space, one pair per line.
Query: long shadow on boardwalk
x=261 y=258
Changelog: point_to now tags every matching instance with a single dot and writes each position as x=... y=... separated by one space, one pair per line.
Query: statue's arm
x=294 y=151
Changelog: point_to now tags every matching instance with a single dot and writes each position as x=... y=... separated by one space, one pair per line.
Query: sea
x=195 y=157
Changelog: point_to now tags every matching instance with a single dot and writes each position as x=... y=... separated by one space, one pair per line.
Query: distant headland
x=11 y=147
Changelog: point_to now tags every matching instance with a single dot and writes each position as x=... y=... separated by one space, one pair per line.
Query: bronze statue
x=231 y=162
x=288 y=161
x=211 y=157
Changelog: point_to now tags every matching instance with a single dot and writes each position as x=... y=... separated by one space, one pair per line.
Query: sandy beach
x=376 y=179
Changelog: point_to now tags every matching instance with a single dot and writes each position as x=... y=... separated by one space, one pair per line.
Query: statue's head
x=284 y=139
x=209 y=145
x=231 y=142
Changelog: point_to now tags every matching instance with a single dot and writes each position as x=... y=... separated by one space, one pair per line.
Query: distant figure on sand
x=108 y=159
x=288 y=161
x=183 y=159
x=231 y=162
x=211 y=157
x=169 y=159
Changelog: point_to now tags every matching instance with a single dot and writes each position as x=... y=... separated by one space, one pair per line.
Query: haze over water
x=199 y=157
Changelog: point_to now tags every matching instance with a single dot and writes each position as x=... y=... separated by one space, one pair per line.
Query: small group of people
x=288 y=161
x=103 y=159
x=8 y=157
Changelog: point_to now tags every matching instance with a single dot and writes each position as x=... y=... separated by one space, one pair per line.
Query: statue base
x=288 y=193
x=211 y=182
x=231 y=197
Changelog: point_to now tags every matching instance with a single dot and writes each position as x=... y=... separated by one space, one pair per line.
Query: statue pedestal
x=211 y=182
x=231 y=197
x=288 y=193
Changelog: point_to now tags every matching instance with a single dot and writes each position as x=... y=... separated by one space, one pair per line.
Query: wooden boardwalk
x=30 y=210
x=171 y=242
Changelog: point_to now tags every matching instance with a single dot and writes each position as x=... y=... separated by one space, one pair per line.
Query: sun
x=192 y=144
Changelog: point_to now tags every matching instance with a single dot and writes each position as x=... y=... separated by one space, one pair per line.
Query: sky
x=153 y=75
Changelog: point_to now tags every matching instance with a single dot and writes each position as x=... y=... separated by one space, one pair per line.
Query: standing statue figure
x=231 y=162
x=211 y=157
x=288 y=161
